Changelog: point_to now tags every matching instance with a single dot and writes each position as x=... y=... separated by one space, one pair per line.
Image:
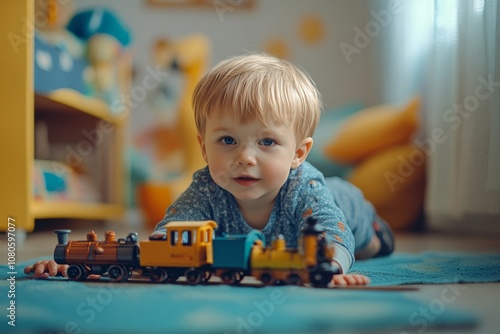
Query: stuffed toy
x=52 y=18
x=376 y=143
x=84 y=52
x=107 y=39
x=190 y=56
x=59 y=59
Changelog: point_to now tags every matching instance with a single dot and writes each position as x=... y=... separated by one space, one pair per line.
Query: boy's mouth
x=245 y=180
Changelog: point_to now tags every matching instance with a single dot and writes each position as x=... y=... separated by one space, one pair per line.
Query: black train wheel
x=207 y=274
x=193 y=276
x=228 y=277
x=117 y=273
x=232 y=277
x=293 y=279
x=266 y=278
x=77 y=272
x=158 y=275
x=321 y=279
x=239 y=276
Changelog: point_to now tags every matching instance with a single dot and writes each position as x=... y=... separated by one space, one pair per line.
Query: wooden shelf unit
x=69 y=101
x=51 y=209
x=68 y=115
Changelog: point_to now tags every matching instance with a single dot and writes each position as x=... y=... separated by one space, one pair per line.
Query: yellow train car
x=277 y=264
x=310 y=263
x=186 y=251
x=190 y=249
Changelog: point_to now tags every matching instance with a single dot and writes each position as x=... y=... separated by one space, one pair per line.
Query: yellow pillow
x=394 y=182
x=373 y=129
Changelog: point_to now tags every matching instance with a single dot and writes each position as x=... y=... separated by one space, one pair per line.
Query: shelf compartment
x=77 y=210
x=72 y=102
x=67 y=114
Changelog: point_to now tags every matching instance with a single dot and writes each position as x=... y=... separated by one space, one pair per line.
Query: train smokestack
x=62 y=236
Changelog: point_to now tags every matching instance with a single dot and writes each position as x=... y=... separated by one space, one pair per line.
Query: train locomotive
x=191 y=250
x=117 y=258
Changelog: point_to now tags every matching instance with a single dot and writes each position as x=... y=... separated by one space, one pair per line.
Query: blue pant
x=359 y=213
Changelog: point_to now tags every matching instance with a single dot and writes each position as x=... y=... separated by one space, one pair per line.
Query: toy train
x=191 y=250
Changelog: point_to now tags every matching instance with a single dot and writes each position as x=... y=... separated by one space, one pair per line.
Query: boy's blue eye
x=267 y=142
x=228 y=140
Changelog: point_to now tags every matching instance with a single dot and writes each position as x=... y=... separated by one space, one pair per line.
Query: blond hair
x=259 y=87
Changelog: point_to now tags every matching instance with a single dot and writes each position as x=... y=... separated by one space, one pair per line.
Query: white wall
x=244 y=30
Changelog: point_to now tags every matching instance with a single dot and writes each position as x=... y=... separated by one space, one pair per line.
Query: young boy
x=255 y=116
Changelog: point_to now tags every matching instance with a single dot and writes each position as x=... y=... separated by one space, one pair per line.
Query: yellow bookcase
x=70 y=120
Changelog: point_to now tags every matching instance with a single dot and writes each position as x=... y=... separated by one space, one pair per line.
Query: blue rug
x=61 y=306
x=431 y=268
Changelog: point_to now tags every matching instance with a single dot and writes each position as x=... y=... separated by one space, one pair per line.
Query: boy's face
x=251 y=161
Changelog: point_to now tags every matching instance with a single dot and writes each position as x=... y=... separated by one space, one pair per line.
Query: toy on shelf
x=85 y=52
x=56 y=181
x=191 y=251
x=51 y=20
x=59 y=60
x=106 y=38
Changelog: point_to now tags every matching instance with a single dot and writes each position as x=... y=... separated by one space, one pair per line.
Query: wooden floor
x=482 y=299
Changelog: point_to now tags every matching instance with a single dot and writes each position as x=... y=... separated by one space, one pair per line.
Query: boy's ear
x=302 y=152
x=202 y=146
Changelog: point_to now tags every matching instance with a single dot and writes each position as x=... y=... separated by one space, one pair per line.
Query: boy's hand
x=158 y=235
x=46 y=268
x=350 y=279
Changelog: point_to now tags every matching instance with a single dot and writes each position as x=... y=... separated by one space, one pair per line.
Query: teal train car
x=232 y=255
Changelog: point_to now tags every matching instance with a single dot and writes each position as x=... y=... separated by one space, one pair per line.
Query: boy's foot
x=384 y=232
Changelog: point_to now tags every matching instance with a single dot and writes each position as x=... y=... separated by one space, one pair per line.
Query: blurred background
x=411 y=93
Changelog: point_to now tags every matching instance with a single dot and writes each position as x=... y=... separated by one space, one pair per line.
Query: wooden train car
x=190 y=249
x=117 y=258
x=232 y=255
x=186 y=251
x=310 y=263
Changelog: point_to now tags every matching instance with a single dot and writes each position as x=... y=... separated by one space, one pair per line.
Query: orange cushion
x=394 y=182
x=373 y=129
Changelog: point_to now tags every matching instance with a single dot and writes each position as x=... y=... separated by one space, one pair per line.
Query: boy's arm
x=338 y=233
x=313 y=198
x=46 y=268
x=340 y=256
x=350 y=279
x=49 y=268
x=192 y=205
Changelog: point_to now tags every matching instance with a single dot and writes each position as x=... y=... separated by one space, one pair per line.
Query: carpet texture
x=61 y=306
x=431 y=268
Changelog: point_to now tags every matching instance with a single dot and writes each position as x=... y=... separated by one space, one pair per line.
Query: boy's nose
x=246 y=156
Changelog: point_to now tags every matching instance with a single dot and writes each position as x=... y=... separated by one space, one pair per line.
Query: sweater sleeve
x=316 y=200
x=192 y=205
x=342 y=257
